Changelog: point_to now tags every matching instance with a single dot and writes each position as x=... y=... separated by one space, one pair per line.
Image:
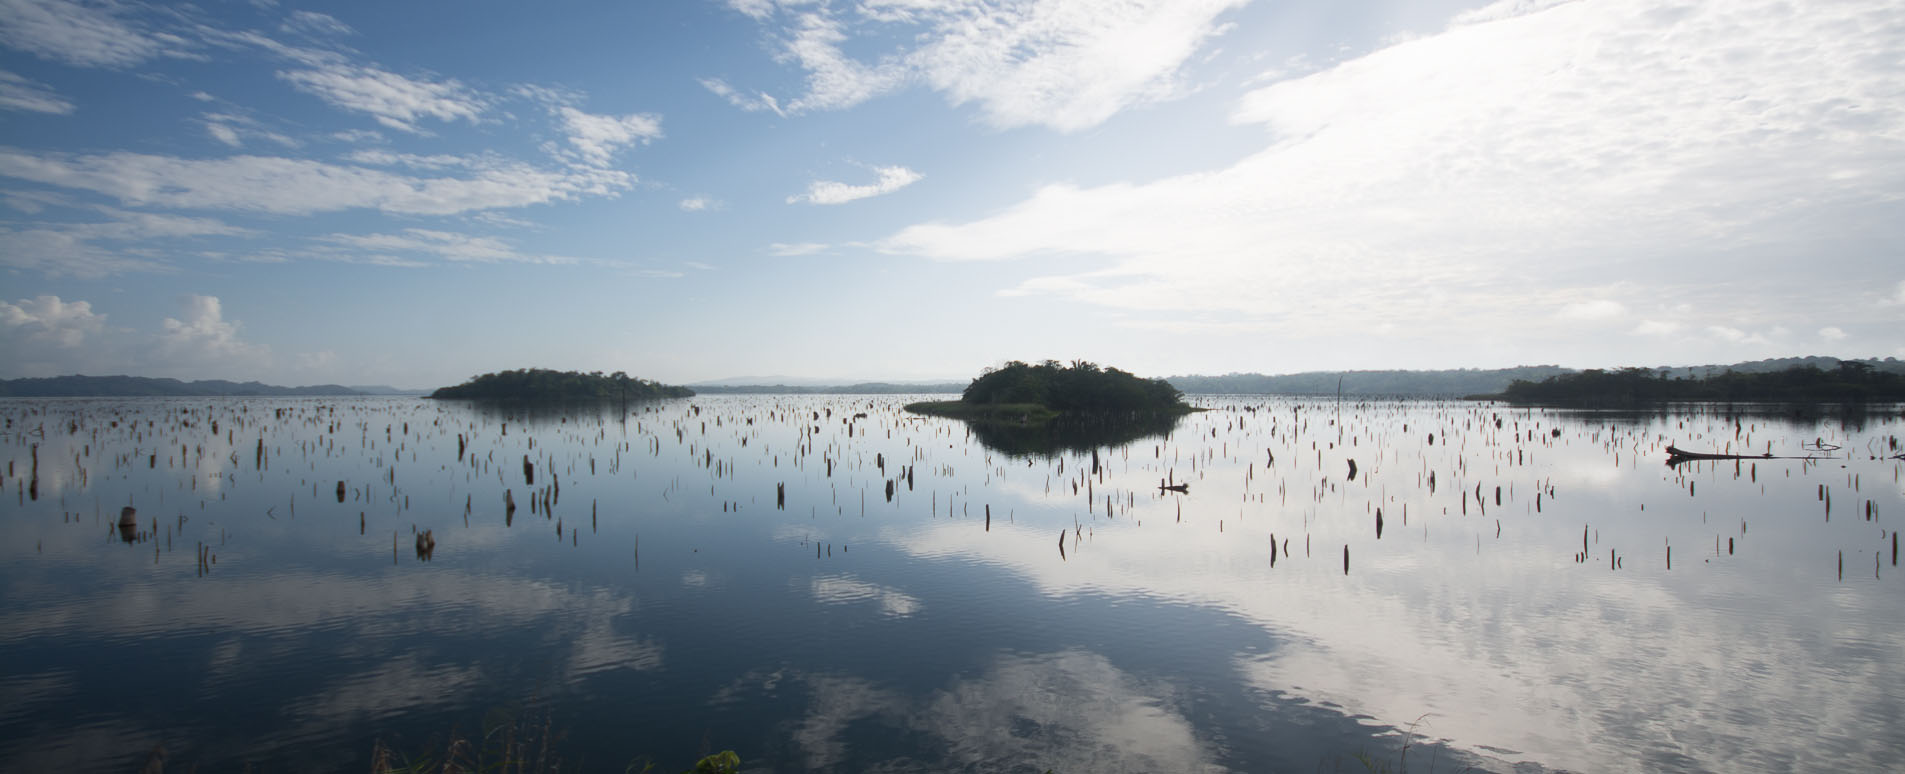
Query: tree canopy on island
x=1850 y=382
x=1080 y=387
x=541 y=384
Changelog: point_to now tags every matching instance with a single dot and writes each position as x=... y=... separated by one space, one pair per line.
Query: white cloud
x=834 y=80
x=1590 y=311
x=74 y=248
x=205 y=336
x=829 y=192
x=298 y=187
x=18 y=93
x=1732 y=335
x=1066 y=64
x=1898 y=294
x=597 y=138
x=393 y=100
x=222 y=133
x=82 y=34
x=1831 y=333
x=441 y=244
x=315 y=24
x=1656 y=328
x=786 y=249
x=750 y=103
x=697 y=204
x=233 y=129
x=47 y=319
x=1498 y=167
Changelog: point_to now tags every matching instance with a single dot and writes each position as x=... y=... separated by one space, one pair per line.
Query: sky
x=414 y=193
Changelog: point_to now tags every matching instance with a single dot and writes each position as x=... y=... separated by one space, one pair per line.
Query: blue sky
x=413 y=193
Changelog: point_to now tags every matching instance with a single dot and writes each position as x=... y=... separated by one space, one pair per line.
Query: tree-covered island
x=1025 y=393
x=541 y=384
x=1851 y=382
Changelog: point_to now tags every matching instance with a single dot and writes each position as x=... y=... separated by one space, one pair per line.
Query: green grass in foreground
x=1030 y=413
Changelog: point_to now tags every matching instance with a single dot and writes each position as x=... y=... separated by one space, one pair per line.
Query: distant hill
x=1467 y=381
x=1774 y=365
x=541 y=384
x=1850 y=381
x=77 y=386
x=863 y=388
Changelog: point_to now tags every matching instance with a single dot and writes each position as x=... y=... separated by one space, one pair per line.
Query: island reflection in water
x=1542 y=592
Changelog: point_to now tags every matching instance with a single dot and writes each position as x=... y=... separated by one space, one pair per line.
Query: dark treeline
x=77 y=386
x=1081 y=386
x=1850 y=382
x=863 y=388
x=1398 y=383
x=541 y=384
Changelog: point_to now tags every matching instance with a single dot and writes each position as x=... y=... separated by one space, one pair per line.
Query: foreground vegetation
x=539 y=384
x=1850 y=382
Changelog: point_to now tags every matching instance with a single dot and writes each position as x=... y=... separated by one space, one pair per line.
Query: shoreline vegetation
x=544 y=385
x=1026 y=394
x=1851 y=382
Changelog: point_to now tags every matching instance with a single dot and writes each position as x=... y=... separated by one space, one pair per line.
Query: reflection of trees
x=1851 y=417
x=534 y=413
x=1072 y=432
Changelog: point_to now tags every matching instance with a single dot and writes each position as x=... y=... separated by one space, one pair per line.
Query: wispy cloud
x=18 y=93
x=697 y=204
x=83 y=34
x=312 y=23
x=785 y=249
x=395 y=101
x=446 y=245
x=234 y=129
x=748 y=102
x=299 y=186
x=829 y=192
x=123 y=242
x=1065 y=64
x=1597 y=141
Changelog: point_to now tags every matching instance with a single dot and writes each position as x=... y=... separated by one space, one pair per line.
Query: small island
x=1033 y=394
x=543 y=385
x=1852 y=382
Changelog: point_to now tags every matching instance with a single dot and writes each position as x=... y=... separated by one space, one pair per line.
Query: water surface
x=827 y=582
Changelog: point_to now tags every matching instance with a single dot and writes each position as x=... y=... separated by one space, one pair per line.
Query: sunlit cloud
x=395 y=101
x=293 y=186
x=1064 y=64
x=597 y=137
x=830 y=192
x=1474 y=177
x=50 y=320
x=794 y=249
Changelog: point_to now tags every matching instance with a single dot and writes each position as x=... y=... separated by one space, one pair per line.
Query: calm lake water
x=1493 y=588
